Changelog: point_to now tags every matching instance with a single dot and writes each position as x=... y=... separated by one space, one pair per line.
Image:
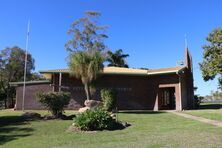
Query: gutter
x=110 y=73
x=159 y=73
x=29 y=82
x=123 y=73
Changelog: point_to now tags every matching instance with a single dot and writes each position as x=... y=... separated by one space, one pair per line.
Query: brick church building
x=137 y=89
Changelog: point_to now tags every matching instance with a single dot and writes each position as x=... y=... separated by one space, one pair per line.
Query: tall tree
x=86 y=66
x=86 y=34
x=211 y=65
x=12 y=61
x=86 y=49
x=117 y=58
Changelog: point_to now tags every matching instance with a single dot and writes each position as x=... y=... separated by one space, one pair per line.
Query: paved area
x=201 y=119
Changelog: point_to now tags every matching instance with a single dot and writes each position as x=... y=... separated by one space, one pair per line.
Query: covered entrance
x=167 y=99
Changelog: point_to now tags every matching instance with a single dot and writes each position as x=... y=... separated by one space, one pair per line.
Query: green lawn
x=208 y=110
x=151 y=129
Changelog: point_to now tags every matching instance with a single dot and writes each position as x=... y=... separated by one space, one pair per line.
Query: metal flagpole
x=25 y=68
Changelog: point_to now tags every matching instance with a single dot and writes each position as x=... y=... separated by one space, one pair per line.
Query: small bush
x=197 y=101
x=95 y=119
x=109 y=99
x=54 y=101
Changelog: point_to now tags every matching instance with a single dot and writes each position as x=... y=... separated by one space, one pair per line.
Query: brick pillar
x=178 y=97
x=156 y=106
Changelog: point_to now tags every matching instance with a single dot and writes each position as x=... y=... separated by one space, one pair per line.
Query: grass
x=149 y=129
x=208 y=110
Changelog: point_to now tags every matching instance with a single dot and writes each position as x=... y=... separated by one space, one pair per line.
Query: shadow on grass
x=8 y=138
x=11 y=120
x=210 y=106
x=11 y=128
x=63 y=117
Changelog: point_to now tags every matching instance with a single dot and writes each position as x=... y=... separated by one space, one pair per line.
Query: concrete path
x=201 y=119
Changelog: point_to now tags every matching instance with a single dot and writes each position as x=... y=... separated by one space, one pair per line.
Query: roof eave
x=123 y=73
x=52 y=72
x=106 y=73
x=29 y=82
x=167 y=72
x=129 y=74
x=161 y=73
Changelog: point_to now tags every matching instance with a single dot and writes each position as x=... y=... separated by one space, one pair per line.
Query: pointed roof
x=188 y=59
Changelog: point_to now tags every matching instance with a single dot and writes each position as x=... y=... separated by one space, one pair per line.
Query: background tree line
x=12 y=62
x=213 y=96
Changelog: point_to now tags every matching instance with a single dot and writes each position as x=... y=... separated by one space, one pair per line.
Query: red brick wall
x=188 y=90
x=30 y=97
x=134 y=92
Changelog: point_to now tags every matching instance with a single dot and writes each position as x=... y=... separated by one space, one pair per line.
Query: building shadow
x=210 y=106
x=11 y=128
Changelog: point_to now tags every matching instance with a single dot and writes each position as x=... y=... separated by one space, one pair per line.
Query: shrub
x=54 y=101
x=95 y=119
x=109 y=99
x=197 y=101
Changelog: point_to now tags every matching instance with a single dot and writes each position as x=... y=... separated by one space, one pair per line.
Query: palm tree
x=86 y=66
x=117 y=58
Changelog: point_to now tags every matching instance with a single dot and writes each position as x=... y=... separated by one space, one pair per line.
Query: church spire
x=188 y=57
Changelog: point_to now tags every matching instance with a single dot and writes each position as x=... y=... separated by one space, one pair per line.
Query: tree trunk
x=5 y=100
x=8 y=100
x=12 y=102
x=87 y=91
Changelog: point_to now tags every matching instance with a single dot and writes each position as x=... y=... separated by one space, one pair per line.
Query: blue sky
x=150 y=31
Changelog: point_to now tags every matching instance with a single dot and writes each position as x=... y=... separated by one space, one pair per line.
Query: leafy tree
x=211 y=65
x=86 y=48
x=214 y=95
x=86 y=34
x=12 y=61
x=117 y=58
x=217 y=94
x=36 y=76
x=86 y=66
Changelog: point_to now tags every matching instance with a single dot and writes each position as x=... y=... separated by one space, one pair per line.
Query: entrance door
x=167 y=98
